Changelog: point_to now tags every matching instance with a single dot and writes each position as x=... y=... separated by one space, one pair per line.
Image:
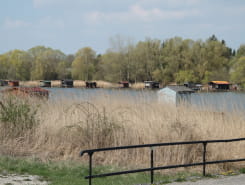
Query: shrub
x=17 y=115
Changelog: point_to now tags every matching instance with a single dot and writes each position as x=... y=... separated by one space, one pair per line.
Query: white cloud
x=43 y=23
x=158 y=14
x=138 y=13
x=14 y=24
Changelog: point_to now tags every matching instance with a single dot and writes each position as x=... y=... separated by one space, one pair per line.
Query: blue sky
x=69 y=25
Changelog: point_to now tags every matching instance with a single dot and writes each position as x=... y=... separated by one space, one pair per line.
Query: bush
x=17 y=115
x=242 y=170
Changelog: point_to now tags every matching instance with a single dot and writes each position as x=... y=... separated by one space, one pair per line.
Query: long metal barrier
x=152 y=168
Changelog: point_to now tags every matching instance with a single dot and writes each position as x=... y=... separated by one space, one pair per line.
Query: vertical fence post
x=90 y=167
x=152 y=164
x=204 y=157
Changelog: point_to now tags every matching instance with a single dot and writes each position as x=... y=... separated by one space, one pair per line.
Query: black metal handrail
x=152 y=168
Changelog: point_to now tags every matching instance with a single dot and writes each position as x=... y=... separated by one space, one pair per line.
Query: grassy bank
x=55 y=131
x=72 y=173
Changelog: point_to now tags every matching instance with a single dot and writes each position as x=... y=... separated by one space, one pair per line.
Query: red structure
x=28 y=91
x=219 y=85
x=13 y=83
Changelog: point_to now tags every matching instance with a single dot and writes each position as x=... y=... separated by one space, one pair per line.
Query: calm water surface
x=84 y=94
x=218 y=101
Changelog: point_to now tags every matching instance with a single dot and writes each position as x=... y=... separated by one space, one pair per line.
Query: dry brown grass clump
x=79 y=83
x=34 y=83
x=104 y=84
x=55 y=83
x=139 y=85
x=66 y=127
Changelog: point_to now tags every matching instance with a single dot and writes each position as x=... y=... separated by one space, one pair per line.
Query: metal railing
x=152 y=168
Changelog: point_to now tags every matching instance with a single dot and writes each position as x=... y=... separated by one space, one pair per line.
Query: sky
x=69 y=25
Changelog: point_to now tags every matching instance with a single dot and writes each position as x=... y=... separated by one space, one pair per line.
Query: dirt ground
x=228 y=180
x=13 y=179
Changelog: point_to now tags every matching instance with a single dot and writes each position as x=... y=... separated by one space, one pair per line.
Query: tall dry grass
x=81 y=83
x=68 y=126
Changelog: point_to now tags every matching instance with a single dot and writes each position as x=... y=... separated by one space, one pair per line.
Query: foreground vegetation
x=58 y=130
x=72 y=173
x=172 y=60
x=66 y=173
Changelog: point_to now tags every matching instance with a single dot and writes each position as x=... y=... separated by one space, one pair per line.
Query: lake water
x=217 y=101
x=84 y=94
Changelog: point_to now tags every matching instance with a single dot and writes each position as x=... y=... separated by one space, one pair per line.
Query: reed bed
x=138 y=85
x=34 y=83
x=81 y=83
x=63 y=128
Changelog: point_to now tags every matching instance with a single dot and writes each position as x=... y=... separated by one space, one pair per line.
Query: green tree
x=241 y=51
x=4 y=66
x=122 y=50
x=64 y=70
x=83 y=67
x=238 y=71
x=216 y=61
x=186 y=76
x=110 y=67
x=46 y=63
x=175 y=57
x=16 y=65
x=146 y=57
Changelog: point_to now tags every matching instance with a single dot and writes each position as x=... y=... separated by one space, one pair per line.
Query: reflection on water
x=218 y=101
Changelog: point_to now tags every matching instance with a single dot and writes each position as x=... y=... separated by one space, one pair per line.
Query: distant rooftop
x=220 y=82
x=180 y=88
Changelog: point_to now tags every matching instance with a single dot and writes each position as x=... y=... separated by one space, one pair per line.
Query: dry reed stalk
x=79 y=83
x=104 y=84
x=138 y=85
x=55 y=83
x=29 y=83
x=69 y=126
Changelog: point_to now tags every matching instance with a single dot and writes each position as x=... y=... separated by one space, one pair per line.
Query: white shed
x=175 y=94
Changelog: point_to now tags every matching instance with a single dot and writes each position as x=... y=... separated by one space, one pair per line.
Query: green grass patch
x=73 y=173
x=242 y=170
x=70 y=173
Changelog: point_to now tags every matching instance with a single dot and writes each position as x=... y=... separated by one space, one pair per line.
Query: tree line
x=172 y=60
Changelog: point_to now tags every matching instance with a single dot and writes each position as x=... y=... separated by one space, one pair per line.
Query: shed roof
x=220 y=82
x=180 y=88
x=150 y=82
x=67 y=80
